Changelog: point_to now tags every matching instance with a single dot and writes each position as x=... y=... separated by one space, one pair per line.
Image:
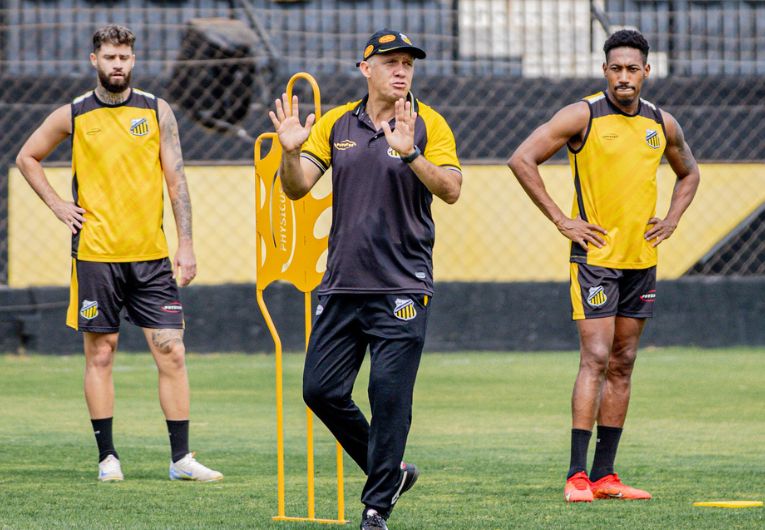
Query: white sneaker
x=187 y=468
x=109 y=469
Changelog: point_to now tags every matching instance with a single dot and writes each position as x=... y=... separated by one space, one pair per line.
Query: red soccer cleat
x=578 y=488
x=610 y=487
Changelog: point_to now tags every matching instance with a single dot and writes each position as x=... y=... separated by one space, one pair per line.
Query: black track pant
x=393 y=327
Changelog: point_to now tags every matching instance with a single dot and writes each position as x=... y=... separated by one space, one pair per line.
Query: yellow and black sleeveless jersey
x=118 y=179
x=382 y=234
x=615 y=180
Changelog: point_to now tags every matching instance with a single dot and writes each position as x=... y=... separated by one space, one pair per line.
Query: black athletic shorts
x=598 y=292
x=146 y=290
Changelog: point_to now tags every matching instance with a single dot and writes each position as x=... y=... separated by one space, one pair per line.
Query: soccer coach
x=389 y=154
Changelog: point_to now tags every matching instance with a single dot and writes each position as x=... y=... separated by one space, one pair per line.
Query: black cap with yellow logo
x=387 y=40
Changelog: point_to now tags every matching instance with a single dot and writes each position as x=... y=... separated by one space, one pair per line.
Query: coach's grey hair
x=113 y=34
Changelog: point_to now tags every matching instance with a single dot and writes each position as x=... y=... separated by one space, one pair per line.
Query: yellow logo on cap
x=386 y=38
x=369 y=49
x=405 y=38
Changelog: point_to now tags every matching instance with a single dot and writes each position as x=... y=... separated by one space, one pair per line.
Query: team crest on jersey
x=597 y=296
x=652 y=138
x=139 y=127
x=89 y=309
x=404 y=309
x=393 y=153
x=345 y=145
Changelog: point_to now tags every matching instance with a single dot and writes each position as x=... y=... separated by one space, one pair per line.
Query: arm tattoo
x=179 y=195
x=181 y=203
x=165 y=339
x=689 y=163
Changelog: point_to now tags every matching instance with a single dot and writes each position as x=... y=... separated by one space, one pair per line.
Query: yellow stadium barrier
x=291 y=246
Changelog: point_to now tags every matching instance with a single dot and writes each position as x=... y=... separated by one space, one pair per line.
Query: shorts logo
x=345 y=145
x=652 y=138
x=319 y=309
x=404 y=309
x=172 y=307
x=597 y=296
x=393 y=153
x=89 y=309
x=650 y=296
x=139 y=127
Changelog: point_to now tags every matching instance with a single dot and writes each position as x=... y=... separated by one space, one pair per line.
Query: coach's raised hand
x=297 y=177
x=401 y=138
x=286 y=120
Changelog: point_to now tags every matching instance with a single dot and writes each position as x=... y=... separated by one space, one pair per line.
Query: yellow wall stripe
x=493 y=233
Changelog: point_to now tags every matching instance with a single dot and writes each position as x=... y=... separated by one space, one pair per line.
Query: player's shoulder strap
x=594 y=98
x=145 y=100
x=651 y=110
x=82 y=97
x=147 y=95
x=598 y=103
x=84 y=103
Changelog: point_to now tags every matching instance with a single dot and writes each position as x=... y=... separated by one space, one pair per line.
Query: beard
x=115 y=87
x=626 y=100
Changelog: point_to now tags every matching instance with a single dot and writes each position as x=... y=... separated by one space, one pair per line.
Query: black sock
x=103 y=430
x=580 y=441
x=605 y=452
x=179 y=438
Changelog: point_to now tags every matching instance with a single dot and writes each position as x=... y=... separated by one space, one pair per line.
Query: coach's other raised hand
x=286 y=120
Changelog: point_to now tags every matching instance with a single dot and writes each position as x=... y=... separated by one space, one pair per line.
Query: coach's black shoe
x=409 y=474
x=372 y=520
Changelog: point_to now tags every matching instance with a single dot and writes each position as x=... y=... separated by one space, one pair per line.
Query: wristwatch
x=408 y=159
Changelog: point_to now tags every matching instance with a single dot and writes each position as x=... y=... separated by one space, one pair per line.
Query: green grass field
x=490 y=435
